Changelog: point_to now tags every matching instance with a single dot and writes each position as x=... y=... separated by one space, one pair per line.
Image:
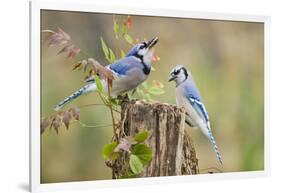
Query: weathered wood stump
x=172 y=150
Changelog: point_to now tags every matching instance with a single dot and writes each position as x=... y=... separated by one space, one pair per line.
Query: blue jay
x=188 y=96
x=128 y=72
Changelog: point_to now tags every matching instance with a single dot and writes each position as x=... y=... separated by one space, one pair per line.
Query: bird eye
x=143 y=45
x=176 y=72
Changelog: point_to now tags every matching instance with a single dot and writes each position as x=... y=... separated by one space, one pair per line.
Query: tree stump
x=172 y=150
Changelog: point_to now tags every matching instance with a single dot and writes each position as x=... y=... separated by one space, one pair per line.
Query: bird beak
x=152 y=42
x=171 y=78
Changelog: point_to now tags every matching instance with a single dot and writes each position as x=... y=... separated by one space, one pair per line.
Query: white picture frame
x=36 y=6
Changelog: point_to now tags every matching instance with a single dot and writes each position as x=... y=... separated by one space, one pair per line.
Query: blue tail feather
x=214 y=145
x=85 y=89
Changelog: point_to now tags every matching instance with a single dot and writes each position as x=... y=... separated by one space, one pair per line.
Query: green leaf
x=140 y=92
x=98 y=84
x=111 y=56
x=114 y=156
x=124 y=29
x=154 y=90
x=128 y=175
x=143 y=152
x=116 y=29
x=128 y=38
x=141 y=136
x=145 y=85
x=147 y=97
x=104 y=48
x=108 y=151
x=123 y=54
x=135 y=164
x=114 y=101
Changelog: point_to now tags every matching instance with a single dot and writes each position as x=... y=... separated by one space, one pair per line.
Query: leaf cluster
x=61 y=38
x=60 y=118
x=92 y=69
x=147 y=90
x=121 y=29
x=139 y=154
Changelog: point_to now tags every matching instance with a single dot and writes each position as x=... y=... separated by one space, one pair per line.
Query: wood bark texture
x=172 y=150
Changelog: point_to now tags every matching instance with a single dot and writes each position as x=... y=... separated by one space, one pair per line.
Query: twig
x=111 y=112
x=93 y=104
x=91 y=126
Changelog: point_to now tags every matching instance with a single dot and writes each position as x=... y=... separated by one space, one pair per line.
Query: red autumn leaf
x=155 y=58
x=60 y=38
x=103 y=72
x=66 y=49
x=44 y=124
x=63 y=34
x=57 y=38
x=66 y=118
x=75 y=113
x=73 y=52
x=129 y=22
x=77 y=66
x=137 y=40
x=80 y=64
x=57 y=122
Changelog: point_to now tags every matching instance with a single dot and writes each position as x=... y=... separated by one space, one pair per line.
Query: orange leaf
x=44 y=124
x=129 y=22
x=57 y=122
x=73 y=52
x=75 y=112
x=66 y=48
x=155 y=58
x=66 y=118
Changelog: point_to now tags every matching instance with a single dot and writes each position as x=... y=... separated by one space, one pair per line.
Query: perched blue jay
x=188 y=96
x=128 y=72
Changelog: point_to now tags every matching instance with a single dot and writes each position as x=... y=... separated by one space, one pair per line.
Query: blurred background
x=226 y=59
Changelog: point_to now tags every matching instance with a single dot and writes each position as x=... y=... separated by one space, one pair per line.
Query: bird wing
x=200 y=109
x=119 y=68
x=122 y=66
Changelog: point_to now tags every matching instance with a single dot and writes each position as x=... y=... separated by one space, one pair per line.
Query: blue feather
x=123 y=66
x=133 y=51
x=85 y=89
x=200 y=108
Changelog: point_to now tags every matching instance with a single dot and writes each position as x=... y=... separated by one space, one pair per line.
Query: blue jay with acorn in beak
x=128 y=72
x=188 y=96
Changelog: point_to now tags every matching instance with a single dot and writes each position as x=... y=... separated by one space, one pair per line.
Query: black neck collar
x=146 y=69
